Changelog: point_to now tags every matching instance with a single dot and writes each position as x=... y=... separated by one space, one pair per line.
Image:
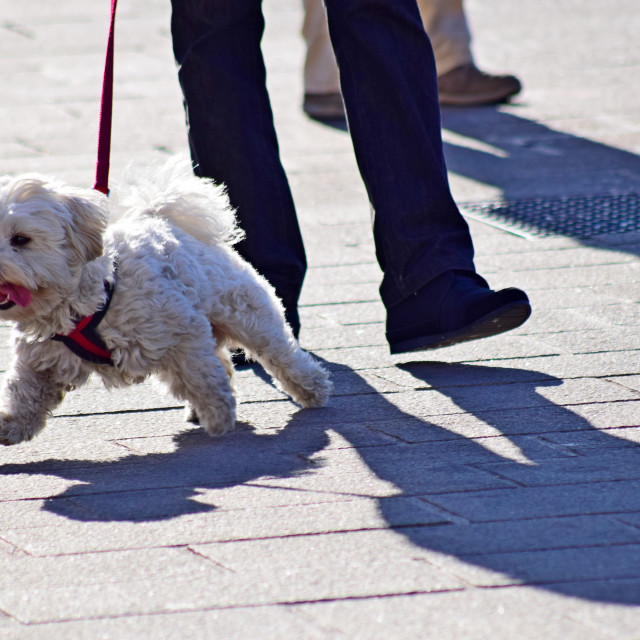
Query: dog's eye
x=19 y=240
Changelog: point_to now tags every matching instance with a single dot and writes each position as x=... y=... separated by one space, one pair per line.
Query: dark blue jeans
x=388 y=81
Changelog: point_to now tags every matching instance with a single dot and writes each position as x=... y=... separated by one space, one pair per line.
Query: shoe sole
x=474 y=100
x=506 y=318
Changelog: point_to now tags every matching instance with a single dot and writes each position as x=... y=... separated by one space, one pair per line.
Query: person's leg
x=388 y=80
x=460 y=82
x=322 y=97
x=446 y=24
x=321 y=73
x=232 y=135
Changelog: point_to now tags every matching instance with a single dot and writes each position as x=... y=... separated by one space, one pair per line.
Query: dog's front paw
x=11 y=432
x=219 y=417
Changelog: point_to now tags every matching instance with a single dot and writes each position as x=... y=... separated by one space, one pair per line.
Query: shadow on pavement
x=571 y=177
x=553 y=517
x=552 y=182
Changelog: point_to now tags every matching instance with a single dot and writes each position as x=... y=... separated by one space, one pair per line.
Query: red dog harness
x=84 y=340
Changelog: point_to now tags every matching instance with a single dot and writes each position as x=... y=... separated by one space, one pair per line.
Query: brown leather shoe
x=324 y=106
x=468 y=86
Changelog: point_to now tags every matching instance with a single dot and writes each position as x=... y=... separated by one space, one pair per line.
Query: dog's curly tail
x=171 y=191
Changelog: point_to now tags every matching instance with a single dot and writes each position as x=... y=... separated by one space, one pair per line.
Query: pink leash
x=106 y=108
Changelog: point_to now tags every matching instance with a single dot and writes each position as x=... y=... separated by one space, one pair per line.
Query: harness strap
x=106 y=108
x=84 y=340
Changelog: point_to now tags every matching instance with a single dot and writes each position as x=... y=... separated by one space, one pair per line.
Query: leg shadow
x=553 y=183
x=498 y=477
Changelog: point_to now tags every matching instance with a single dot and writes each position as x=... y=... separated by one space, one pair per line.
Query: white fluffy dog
x=160 y=291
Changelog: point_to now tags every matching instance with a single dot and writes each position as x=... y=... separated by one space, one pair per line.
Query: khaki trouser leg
x=446 y=24
x=443 y=20
x=320 y=68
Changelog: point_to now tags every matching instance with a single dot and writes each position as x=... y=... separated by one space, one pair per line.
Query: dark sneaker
x=324 y=106
x=457 y=306
x=468 y=86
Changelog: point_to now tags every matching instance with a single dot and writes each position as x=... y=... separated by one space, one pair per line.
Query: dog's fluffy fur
x=183 y=297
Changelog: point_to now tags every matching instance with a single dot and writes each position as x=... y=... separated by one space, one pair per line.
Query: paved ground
x=490 y=490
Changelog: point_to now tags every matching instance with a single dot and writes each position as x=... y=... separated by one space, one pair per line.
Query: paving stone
x=631 y=382
x=419 y=464
x=104 y=584
x=611 y=441
x=610 y=562
x=590 y=341
x=578 y=365
x=512 y=422
x=313 y=338
x=330 y=566
x=605 y=607
x=98 y=399
x=484 y=614
x=416 y=475
x=550 y=392
x=268 y=623
x=469 y=540
x=632 y=519
x=539 y=502
x=609 y=465
x=114 y=522
x=530 y=258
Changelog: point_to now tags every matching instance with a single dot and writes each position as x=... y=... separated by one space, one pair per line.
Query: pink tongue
x=16 y=294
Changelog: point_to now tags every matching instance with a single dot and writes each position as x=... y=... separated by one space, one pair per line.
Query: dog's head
x=48 y=231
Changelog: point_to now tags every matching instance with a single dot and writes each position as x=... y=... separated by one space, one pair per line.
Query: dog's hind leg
x=195 y=374
x=255 y=321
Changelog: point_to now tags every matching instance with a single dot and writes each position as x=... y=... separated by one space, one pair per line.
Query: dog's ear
x=90 y=214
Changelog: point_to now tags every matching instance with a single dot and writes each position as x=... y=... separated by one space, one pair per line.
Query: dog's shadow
x=543 y=498
x=161 y=486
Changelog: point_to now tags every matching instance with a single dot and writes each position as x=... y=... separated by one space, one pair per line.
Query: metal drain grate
x=580 y=216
